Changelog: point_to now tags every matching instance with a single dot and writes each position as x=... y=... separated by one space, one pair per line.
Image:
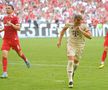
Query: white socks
x=75 y=66
x=70 y=69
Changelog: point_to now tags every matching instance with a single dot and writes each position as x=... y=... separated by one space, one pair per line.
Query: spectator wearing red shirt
x=95 y=22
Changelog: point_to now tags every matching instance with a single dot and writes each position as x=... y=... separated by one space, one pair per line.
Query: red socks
x=104 y=56
x=4 y=62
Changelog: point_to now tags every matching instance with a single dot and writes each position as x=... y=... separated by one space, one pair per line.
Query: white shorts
x=75 y=50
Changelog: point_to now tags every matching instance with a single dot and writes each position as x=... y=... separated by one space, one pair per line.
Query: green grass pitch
x=48 y=70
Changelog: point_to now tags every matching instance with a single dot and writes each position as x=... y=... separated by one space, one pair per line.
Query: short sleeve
x=16 y=20
x=85 y=28
x=67 y=25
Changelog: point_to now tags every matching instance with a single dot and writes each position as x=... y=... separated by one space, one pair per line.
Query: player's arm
x=15 y=26
x=86 y=33
x=61 y=36
x=1 y=30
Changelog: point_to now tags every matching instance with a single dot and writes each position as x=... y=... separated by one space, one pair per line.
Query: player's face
x=77 y=21
x=9 y=10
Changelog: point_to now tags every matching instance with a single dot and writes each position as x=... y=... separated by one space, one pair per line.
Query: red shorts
x=106 y=42
x=14 y=44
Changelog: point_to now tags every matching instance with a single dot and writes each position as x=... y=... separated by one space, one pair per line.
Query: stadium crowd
x=58 y=11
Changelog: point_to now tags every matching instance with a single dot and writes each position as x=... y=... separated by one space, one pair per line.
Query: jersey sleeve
x=85 y=28
x=67 y=25
x=16 y=20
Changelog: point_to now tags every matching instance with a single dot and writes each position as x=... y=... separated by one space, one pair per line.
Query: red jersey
x=9 y=31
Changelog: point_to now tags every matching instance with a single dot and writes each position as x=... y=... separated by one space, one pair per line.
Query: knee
x=4 y=54
x=71 y=58
x=106 y=49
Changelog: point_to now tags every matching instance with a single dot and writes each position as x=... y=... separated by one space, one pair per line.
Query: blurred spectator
x=57 y=10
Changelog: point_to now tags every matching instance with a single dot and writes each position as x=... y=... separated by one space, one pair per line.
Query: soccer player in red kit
x=104 y=55
x=10 y=39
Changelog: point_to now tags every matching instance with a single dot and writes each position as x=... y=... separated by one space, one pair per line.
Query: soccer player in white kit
x=75 y=45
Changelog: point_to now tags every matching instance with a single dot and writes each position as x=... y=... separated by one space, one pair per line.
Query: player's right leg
x=5 y=49
x=70 y=65
x=4 y=63
x=70 y=70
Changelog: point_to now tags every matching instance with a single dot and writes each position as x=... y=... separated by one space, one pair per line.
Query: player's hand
x=1 y=30
x=58 y=44
x=76 y=28
x=9 y=23
x=80 y=28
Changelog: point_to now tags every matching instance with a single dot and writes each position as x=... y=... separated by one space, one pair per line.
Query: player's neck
x=9 y=14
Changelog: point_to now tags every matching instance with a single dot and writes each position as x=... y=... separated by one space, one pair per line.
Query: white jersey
x=75 y=36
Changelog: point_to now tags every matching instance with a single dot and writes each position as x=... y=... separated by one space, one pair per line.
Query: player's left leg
x=76 y=64
x=16 y=46
x=104 y=55
x=21 y=54
x=78 y=55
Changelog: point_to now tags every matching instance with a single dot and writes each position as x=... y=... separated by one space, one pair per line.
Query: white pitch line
x=46 y=65
x=41 y=65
